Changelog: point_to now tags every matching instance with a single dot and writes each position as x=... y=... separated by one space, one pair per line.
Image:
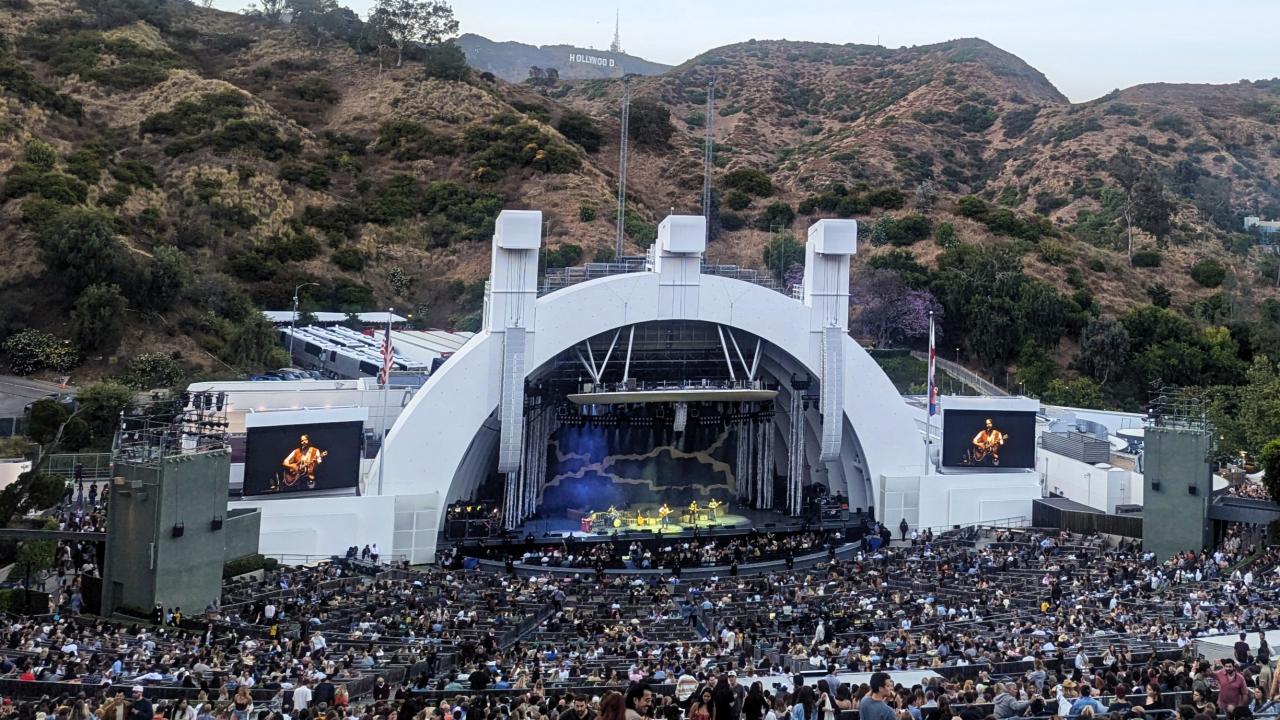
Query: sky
x=1085 y=47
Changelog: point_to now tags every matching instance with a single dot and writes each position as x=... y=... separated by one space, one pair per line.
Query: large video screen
x=302 y=457
x=988 y=439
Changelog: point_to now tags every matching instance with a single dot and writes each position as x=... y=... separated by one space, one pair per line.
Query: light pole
x=293 y=321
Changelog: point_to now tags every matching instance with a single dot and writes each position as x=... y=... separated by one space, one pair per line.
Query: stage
x=737 y=521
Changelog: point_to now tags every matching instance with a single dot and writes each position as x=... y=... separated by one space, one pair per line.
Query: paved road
x=18 y=392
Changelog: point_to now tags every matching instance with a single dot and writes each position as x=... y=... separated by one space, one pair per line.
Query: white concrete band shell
x=858 y=435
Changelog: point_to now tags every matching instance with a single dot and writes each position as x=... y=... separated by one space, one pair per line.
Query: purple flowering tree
x=890 y=311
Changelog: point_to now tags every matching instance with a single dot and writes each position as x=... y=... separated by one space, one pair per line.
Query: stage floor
x=740 y=519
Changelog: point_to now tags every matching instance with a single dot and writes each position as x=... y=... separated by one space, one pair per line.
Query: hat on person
x=733 y=673
x=137 y=688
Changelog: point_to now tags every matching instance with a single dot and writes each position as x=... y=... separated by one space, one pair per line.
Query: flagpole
x=386 y=383
x=929 y=402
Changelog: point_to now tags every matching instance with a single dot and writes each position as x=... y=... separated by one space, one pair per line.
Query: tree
x=269 y=10
x=81 y=247
x=45 y=420
x=410 y=21
x=1208 y=273
x=167 y=274
x=650 y=123
x=153 y=370
x=1104 y=348
x=891 y=312
x=101 y=404
x=781 y=253
x=45 y=491
x=445 y=61
x=1259 y=405
x=537 y=74
x=1160 y=295
x=97 y=321
x=310 y=14
x=1151 y=206
x=777 y=216
x=1078 y=392
x=1271 y=468
x=254 y=345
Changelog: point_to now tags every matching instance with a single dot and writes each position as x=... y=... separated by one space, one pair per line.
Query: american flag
x=388 y=353
x=933 y=357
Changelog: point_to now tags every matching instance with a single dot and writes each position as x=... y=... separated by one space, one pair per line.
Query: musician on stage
x=987 y=444
x=663 y=513
x=302 y=461
x=711 y=509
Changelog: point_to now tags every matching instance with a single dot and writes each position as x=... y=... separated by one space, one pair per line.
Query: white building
x=468 y=421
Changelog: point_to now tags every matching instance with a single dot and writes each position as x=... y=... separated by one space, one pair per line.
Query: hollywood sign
x=591 y=60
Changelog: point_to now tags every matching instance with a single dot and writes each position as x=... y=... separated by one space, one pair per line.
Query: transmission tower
x=616 y=45
x=708 y=152
x=622 y=169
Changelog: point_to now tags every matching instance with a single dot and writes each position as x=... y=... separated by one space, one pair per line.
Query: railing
x=97 y=466
x=964 y=375
x=559 y=278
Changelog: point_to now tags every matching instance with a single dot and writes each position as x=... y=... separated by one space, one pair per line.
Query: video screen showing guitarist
x=986 y=446
x=302 y=462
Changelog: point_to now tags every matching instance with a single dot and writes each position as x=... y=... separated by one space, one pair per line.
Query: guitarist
x=302 y=461
x=987 y=442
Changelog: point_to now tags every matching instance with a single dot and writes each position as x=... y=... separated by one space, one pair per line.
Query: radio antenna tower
x=708 y=152
x=622 y=170
x=616 y=45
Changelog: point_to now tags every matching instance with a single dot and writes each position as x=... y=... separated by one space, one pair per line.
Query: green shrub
x=30 y=351
x=732 y=221
x=339 y=221
x=974 y=118
x=312 y=175
x=650 y=123
x=248 y=564
x=40 y=154
x=565 y=255
x=408 y=140
x=776 y=215
x=971 y=207
x=1096 y=265
x=737 y=200
x=1208 y=273
x=1017 y=122
x=18 y=80
x=25 y=179
x=750 y=182
x=135 y=172
x=348 y=258
x=1146 y=258
x=945 y=235
x=506 y=142
x=85 y=165
x=580 y=128
x=887 y=198
x=314 y=88
x=586 y=212
x=153 y=370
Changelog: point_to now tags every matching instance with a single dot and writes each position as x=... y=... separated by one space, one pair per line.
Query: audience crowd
x=1004 y=623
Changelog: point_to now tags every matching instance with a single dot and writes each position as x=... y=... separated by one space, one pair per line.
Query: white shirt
x=301 y=697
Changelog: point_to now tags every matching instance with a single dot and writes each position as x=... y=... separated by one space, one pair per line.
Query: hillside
x=206 y=163
x=512 y=61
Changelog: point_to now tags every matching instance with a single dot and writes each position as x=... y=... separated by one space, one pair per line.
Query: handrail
x=964 y=375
